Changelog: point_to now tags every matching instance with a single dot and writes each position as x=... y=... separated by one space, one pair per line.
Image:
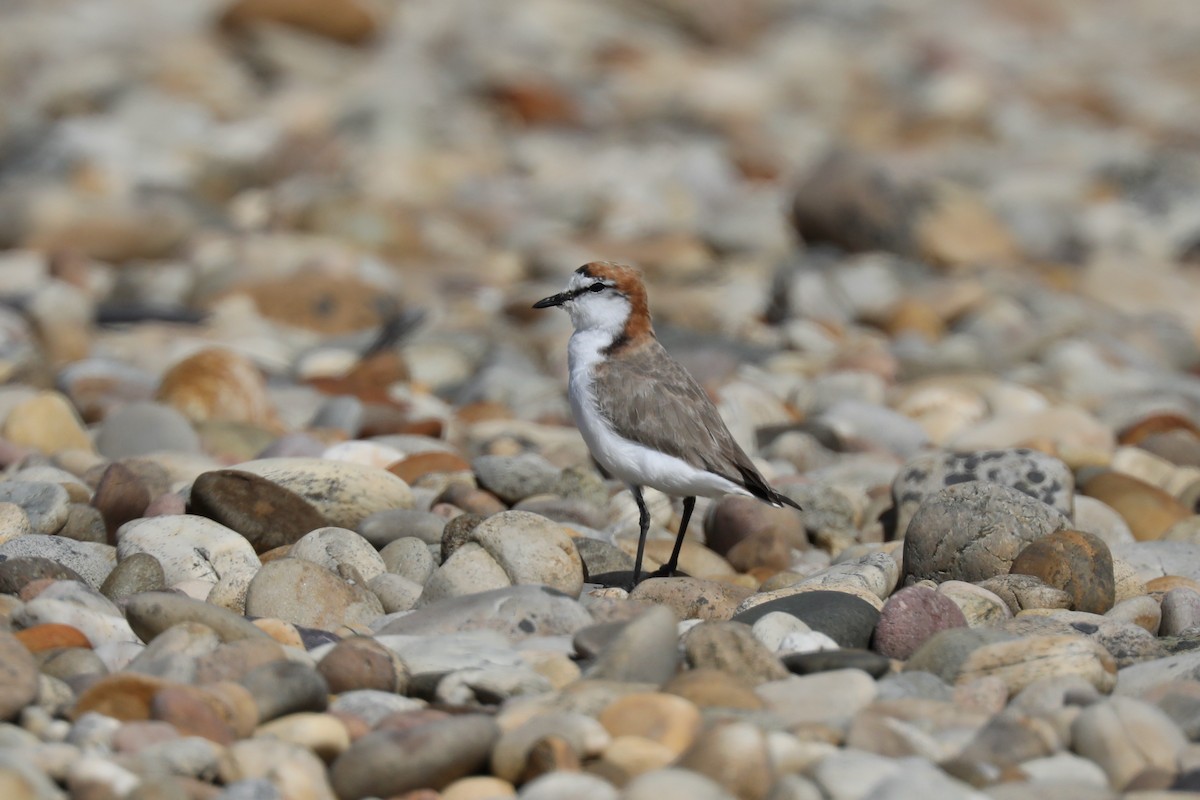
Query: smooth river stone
x=142 y=428
x=152 y=613
x=644 y=650
x=1127 y=642
x=189 y=548
x=391 y=762
x=1128 y=739
x=46 y=422
x=531 y=550
x=846 y=618
x=343 y=492
x=90 y=560
x=910 y=617
x=17 y=573
x=973 y=531
x=267 y=514
x=304 y=593
x=341 y=551
x=517 y=612
x=731 y=647
x=1149 y=510
x=1078 y=563
x=961 y=655
x=46 y=504
x=1036 y=474
x=18 y=676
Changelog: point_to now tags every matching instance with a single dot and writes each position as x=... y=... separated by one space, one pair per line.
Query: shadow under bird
x=644 y=418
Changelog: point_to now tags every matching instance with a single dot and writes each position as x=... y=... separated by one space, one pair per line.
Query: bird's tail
x=757 y=486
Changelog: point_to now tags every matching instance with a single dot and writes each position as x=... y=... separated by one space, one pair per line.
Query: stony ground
x=292 y=505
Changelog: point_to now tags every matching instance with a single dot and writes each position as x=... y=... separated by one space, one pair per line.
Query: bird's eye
x=596 y=287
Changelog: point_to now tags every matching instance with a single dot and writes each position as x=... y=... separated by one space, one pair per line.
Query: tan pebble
x=626 y=757
x=1143 y=611
x=216 y=384
x=46 y=422
x=1024 y=661
x=668 y=719
x=323 y=734
x=557 y=668
x=479 y=787
x=1148 y=510
x=693 y=598
x=987 y=694
x=1165 y=583
x=1129 y=583
x=235 y=704
x=735 y=755
x=714 y=688
x=283 y=632
x=549 y=754
x=124 y=696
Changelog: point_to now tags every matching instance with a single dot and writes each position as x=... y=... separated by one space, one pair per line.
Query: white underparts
x=624 y=459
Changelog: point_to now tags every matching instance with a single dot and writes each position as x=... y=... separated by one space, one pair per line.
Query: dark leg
x=668 y=569
x=644 y=528
x=688 y=504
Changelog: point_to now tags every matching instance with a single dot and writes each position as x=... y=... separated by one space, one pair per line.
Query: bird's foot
x=666 y=571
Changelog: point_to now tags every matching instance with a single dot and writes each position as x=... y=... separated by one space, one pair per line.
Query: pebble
x=304 y=593
x=846 y=618
x=45 y=504
x=1079 y=563
x=343 y=492
x=910 y=617
x=960 y=655
x=643 y=651
x=17 y=573
x=435 y=754
x=189 y=548
x=827 y=698
x=267 y=514
x=1036 y=474
x=1148 y=510
x=731 y=647
x=19 y=671
x=145 y=428
x=410 y=558
x=341 y=551
x=1130 y=740
x=692 y=598
x=46 y=422
x=973 y=531
x=385 y=527
x=518 y=611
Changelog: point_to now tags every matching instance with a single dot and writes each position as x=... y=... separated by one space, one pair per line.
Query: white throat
x=603 y=315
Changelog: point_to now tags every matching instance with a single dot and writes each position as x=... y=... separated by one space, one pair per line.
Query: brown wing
x=663 y=407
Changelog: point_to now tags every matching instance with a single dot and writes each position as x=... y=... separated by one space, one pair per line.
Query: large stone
x=18 y=676
x=344 y=492
x=307 y=594
x=267 y=514
x=391 y=762
x=189 y=548
x=1078 y=563
x=90 y=560
x=910 y=617
x=974 y=531
x=516 y=611
x=961 y=655
x=1036 y=474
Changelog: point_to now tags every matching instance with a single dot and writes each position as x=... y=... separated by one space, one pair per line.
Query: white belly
x=622 y=458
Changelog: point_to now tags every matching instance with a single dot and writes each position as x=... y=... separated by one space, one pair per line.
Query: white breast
x=623 y=458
